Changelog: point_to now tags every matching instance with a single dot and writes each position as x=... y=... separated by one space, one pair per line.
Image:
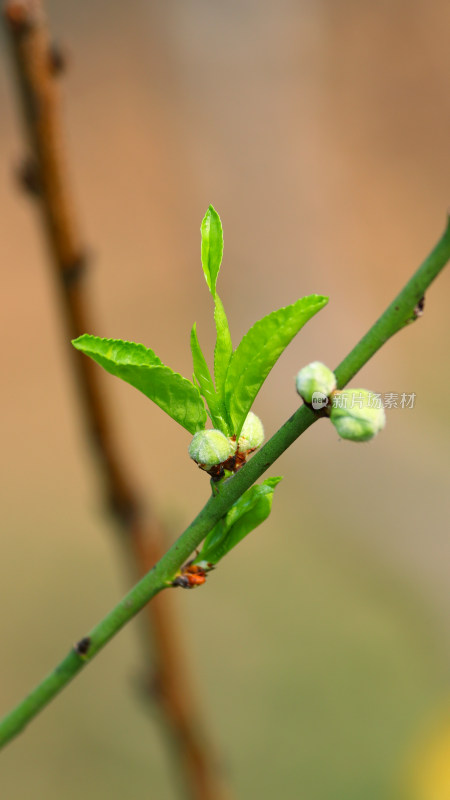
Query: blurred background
x=319 y=131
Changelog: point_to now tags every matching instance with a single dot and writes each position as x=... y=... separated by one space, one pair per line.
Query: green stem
x=396 y=316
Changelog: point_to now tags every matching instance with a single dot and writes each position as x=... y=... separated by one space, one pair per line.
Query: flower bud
x=357 y=414
x=209 y=448
x=315 y=379
x=252 y=433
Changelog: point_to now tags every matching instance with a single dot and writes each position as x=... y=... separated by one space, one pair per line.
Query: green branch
x=397 y=315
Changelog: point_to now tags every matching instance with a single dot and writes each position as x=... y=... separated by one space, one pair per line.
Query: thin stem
x=163 y=573
x=143 y=535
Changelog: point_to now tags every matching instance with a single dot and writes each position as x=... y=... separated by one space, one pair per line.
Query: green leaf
x=205 y=383
x=223 y=350
x=259 y=350
x=212 y=247
x=201 y=370
x=212 y=251
x=247 y=513
x=139 y=366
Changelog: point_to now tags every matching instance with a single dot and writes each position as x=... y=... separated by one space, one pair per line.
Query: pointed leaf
x=259 y=350
x=247 y=513
x=201 y=369
x=205 y=383
x=223 y=350
x=212 y=247
x=139 y=366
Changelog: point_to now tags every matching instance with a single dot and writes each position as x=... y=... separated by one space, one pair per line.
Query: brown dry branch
x=44 y=174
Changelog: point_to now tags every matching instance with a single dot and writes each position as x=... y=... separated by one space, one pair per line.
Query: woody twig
x=44 y=174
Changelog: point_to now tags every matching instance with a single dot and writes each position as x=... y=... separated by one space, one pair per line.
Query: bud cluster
x=213 y=451
x=358 y=422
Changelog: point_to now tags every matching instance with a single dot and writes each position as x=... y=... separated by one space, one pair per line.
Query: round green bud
x=252 y=433
x=315 y=383
x=210 y=447
x=357 y=414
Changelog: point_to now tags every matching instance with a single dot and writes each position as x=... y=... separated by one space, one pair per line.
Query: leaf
x=243 y=517
x=223 y=350
x=139 y=366
x=259 y=350
x=212 y=247
x=212 y=251
x=205 y=383
x=201 y=370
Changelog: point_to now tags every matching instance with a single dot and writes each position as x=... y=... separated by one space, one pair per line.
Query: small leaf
x=247 y=513
x=201 y=370
x=212 y=247
x=139 y=366
x=259 y=350
x=205 y=383
x=223 y=350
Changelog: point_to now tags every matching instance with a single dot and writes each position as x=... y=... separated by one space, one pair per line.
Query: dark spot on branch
x=83 y=646
x=73 y=272
x=124 y=508
x=27 y=174
x=58 y=59
x=418 y=311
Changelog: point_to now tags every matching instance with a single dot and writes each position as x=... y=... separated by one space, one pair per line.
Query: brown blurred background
x=319 y=131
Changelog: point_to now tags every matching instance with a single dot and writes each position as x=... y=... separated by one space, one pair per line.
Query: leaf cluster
x=238 y=374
